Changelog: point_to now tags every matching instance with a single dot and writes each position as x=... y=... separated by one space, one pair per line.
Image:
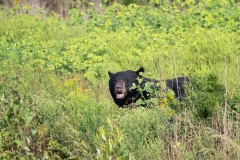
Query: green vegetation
x=54 y=97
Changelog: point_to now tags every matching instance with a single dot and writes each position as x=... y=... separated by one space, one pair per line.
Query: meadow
x=54 y=97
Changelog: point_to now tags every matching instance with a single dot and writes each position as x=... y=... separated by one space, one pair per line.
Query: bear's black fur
x=121 y=82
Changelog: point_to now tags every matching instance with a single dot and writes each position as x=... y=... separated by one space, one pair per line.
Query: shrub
x=206 y=95
x=234 y=101
x=142 y=129
x=17 y=125
x=111 y=143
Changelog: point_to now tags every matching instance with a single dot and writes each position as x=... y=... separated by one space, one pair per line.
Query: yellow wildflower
x=178 y=144
x=52 y=80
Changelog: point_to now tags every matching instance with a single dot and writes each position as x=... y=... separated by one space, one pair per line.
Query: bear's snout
x=120 y=90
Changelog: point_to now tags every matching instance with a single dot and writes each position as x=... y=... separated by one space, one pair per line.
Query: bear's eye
x=114 y=81
x=126 y=81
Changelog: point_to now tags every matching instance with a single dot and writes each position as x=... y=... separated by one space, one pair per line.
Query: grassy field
x=54 y=97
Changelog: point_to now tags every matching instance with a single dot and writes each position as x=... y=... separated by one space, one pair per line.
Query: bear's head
x=121 y=82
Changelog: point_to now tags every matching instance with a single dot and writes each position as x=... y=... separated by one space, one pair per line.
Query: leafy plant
x=18 y=128
x=206 y=95
x=111 y=144
x=234 y=101
x=142 y=129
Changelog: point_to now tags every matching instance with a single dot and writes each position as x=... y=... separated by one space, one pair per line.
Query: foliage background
x=55 y=101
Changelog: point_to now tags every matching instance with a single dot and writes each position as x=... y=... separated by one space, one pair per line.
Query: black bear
x=121 y=82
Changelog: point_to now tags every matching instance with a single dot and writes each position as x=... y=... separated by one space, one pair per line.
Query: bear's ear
x=110 y=74
x=140 y=70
